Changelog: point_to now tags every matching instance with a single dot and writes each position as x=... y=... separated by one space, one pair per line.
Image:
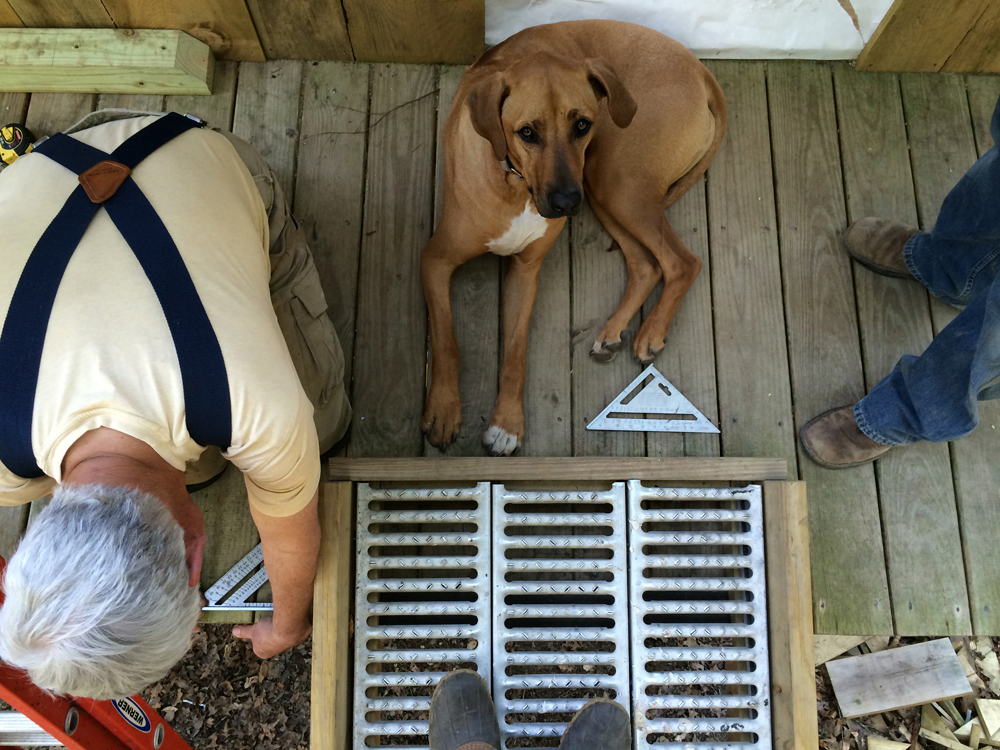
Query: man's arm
x=291 y=549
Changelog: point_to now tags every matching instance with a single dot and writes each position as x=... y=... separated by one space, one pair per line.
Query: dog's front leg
x=443 y=413
x=506 y=430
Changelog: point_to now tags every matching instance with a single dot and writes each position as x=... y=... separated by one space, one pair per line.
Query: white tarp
x=814 y=29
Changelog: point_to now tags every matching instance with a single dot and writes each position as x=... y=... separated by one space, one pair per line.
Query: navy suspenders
x=203 y=371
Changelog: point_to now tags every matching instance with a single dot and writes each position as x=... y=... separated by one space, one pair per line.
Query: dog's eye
x=527 y=134
x=582 y=126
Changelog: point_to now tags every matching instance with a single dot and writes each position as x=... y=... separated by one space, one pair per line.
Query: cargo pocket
x=324 y=369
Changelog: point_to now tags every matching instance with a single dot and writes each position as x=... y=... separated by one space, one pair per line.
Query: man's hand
x=267 y=642
x=291 y=547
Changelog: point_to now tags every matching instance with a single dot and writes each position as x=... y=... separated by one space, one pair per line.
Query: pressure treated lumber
x=894 y=320
x=105 y=61
x=688 y=359
x=929 y=35
x=224 y=25
x=823 y=344
x=80 y=14
x=217 y=109
x=8 y=18
x=548 y=419
x=560 y=469
x=876 y=743
x=897 y=678
x=989 y=716
x=390 y=348
x=302 y=29
x=449 y=31
x=475 y=306
x=942 y=149
x=789 y=613
x=598 y=280
x=331 y=687
x=755 y=403
x=329 y=185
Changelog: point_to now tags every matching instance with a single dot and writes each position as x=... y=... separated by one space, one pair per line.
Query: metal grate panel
x=560 y=633
x=699 y=618
x=422 y=604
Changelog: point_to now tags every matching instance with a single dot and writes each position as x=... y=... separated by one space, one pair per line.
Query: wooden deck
x=779 y=327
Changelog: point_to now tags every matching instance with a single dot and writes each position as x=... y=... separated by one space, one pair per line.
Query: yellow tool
x=15 y=140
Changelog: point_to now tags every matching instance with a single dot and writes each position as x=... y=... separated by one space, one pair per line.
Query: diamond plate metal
x=559 y=567
x=697 y=594
x=411 y=597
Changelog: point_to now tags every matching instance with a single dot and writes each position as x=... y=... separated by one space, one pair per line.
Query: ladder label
x=131 y=712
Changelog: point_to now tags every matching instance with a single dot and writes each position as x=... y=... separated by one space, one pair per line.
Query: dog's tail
x=717 y=106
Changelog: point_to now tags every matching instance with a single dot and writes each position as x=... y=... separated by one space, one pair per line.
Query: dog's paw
x=649 y=342
x=499 y=442
x=442 y=418
x=605 y=351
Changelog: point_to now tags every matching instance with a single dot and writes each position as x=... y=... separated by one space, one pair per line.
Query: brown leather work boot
x=878 y=244
x=602 y=724
x=462 y=714
x=834 y=440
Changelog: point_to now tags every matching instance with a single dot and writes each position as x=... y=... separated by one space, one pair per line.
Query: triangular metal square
x=657 y=406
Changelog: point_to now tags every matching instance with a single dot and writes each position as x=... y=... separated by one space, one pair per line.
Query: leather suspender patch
x=103 y=179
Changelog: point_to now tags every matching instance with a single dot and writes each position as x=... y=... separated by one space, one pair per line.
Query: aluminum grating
x=700 y=670
x=560 y=608
x=422 y=604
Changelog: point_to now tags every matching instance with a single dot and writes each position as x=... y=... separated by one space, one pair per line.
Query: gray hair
x=97 y=597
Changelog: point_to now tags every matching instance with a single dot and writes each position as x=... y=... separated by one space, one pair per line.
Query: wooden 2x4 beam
x=447 y=469
x=104 y=61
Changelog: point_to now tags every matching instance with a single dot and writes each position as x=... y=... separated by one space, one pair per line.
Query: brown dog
x=614 y=108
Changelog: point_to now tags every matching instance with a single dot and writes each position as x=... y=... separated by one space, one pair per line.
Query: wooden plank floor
x=779 y=327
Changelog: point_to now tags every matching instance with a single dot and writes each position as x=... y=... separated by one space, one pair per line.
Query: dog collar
x=508 y=167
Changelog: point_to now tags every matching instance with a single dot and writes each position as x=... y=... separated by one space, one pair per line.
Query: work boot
x=834 y=440
x=601 y=724
x=878 y=244
x=462 y=714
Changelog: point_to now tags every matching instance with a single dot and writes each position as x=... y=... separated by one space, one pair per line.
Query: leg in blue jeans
x=935 y=396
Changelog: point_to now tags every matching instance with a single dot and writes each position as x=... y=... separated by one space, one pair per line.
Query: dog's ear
x=605 y=82
x=485 y=102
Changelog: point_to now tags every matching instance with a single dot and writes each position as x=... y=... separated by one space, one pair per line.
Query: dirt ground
x=222 y=696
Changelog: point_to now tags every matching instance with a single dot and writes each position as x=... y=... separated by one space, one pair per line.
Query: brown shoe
x=878 y=244
x=834 y=440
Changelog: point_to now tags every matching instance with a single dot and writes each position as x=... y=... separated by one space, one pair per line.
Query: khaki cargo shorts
x=298 y=301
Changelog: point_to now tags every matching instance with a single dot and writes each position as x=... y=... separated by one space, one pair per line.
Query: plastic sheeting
x=813 y=29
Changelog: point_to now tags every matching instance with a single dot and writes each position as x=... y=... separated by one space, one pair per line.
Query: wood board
x=224 y=25
x=105 y=61
x=755 y=412
x=551 y=468
x=924 y=35
x=789 y=610
x=80 y=14
x=329 y=185
x=475 y=305
x=688 y=359
x=823 y=345
x=598 y=279
x=390 y=347
x=897 y=678
x=302 y=30
x=331 y=651
x=404 y=30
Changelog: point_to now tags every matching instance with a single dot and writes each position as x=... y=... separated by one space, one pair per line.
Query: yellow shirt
x=109 y=359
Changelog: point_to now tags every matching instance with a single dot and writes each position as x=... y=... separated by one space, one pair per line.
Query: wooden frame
x=793 y=693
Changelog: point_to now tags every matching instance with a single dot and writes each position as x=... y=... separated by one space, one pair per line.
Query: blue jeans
x=935 y=396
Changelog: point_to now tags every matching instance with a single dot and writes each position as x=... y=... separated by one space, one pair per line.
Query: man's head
x=541 y=113
x=97 y=597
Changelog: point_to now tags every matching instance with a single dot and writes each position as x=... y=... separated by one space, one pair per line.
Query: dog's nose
x=565 y=202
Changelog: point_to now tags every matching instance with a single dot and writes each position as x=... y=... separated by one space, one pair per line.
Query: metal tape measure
x=15 y=140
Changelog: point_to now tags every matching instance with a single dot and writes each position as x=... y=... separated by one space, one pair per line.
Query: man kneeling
x=159 y=299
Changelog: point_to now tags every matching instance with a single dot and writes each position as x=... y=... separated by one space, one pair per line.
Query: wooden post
x=789 y=605
x=331 y=688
